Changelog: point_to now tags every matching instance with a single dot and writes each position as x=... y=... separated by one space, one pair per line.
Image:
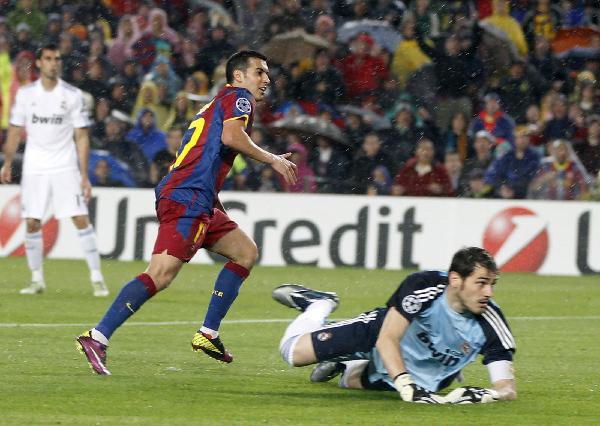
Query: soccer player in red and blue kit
x=191 y=216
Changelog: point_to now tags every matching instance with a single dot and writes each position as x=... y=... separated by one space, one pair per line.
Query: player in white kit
x=55 y=164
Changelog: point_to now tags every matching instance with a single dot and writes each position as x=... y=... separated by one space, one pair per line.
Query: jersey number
x=197 y=125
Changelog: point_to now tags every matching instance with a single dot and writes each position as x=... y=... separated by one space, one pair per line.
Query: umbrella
x=501 y=50
x=308 y=125
x=293 y=46
x=376 y=121
x=384 y=34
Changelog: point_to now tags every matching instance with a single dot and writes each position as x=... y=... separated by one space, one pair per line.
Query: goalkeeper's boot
x=94 y=351
x=35 y=287
x=326 y=370
x=299 y=297
x=211 y=346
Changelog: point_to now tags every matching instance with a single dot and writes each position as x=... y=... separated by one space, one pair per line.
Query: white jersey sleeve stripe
x=503 y=326
x=499 y=328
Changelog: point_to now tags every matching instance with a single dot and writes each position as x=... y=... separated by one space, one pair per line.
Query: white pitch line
x=253 y=321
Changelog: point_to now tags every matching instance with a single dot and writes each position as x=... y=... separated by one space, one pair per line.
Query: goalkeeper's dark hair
x=239 y=61
x=48 y=46
x=467 y=259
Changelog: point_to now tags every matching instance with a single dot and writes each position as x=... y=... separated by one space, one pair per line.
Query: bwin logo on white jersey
x=54 y=119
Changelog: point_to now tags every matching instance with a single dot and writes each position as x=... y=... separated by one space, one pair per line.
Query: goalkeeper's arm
x=503 y=387
x=388 y=344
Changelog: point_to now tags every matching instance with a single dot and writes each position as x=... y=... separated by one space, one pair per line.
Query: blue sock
x=226 y=290
x=132 y=296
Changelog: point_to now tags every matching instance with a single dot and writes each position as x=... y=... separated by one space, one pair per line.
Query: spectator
x=560 y=176
x=361 y=70
x=534 y=126
x=589 y=151
x=508 y=25
x=216 y=49
x=162 y=71
x=330 y=166
x=148 y=98
x=306 y=177
x=519 y=89
x=422 y=175
x=267 y=181
x=408 y=57
x=158 y=39
x=72 y=58
x=482 y=157
x=102 y=175
x=121 y=47
x=426 y=20
x=586 y=98
x=53 y=29
x=94 y=81
x=451 y=67
x=251 y=15
x=146 y=135
x=453 y=167
x=475 y=185
x=541 y=58
x=23 y=40
x=560 y=125
x=125 y=151
x=27 y=13
x=366 y=160
x=131 y=80
x=381 y=181
x=181 y=112
x=159 y=166
x=5 y=81
x=543 y=21
x=495 y=121
x=323 y=83
x=118 y=95
x=399 y=141
x=456 y=138
x=101 y=113
x=510 y=175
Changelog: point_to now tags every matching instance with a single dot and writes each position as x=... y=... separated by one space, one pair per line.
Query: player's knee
x=249 y=255
x=286 y=349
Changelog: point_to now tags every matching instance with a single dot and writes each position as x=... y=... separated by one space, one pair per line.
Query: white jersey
x=49 y=117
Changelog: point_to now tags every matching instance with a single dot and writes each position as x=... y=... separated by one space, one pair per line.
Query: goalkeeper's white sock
x=310 y=320
x=89 y=244
x=34 y=250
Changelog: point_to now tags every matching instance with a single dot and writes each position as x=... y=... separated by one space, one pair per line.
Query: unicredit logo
x=518 y=240
x=11 y=238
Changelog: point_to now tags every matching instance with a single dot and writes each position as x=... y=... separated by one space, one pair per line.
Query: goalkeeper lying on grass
x=433 y=326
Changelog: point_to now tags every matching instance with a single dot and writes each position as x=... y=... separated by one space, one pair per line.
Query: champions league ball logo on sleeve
x=518 y=240
x=11 y=240
x=243 y=105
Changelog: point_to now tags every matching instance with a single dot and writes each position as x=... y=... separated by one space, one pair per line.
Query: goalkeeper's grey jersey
x=439 y=341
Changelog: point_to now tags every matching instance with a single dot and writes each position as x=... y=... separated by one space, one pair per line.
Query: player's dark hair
x=48 y=46
x=239 y=61
x=467 y=259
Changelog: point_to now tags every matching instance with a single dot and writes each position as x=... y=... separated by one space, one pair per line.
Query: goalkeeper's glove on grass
x=472 y=395
x=411 y=392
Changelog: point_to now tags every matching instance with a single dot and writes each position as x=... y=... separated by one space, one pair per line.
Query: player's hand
x=472 y=395
x=286 y=168
x=86 y=189
x=411 y=392
x=6 y=173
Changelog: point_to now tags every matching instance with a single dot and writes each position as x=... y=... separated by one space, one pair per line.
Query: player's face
x=255 y=78
x=476 y=290
x=49 y=64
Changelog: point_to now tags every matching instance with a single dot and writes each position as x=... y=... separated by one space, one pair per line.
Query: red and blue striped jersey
x=203 y=161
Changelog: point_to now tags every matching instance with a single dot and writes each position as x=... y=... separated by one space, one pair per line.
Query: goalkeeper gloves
x=472 y=395
x=411 y=392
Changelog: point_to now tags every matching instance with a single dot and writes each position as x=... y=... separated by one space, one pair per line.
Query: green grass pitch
x=158 y=380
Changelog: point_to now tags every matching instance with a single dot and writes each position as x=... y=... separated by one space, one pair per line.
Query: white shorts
x=61 y=189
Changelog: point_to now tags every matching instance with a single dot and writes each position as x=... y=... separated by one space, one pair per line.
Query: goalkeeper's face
x=476 y=290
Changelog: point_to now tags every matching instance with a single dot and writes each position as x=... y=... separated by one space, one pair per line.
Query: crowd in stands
x=472 y=98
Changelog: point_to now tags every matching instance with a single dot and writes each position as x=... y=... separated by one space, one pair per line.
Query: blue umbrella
x=384 y=34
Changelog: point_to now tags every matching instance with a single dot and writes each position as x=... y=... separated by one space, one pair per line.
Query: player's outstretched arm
x=235 y=137
x=10 y=148
x=82 y=143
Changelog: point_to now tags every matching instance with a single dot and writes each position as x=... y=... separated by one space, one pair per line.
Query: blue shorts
x=348 y=339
